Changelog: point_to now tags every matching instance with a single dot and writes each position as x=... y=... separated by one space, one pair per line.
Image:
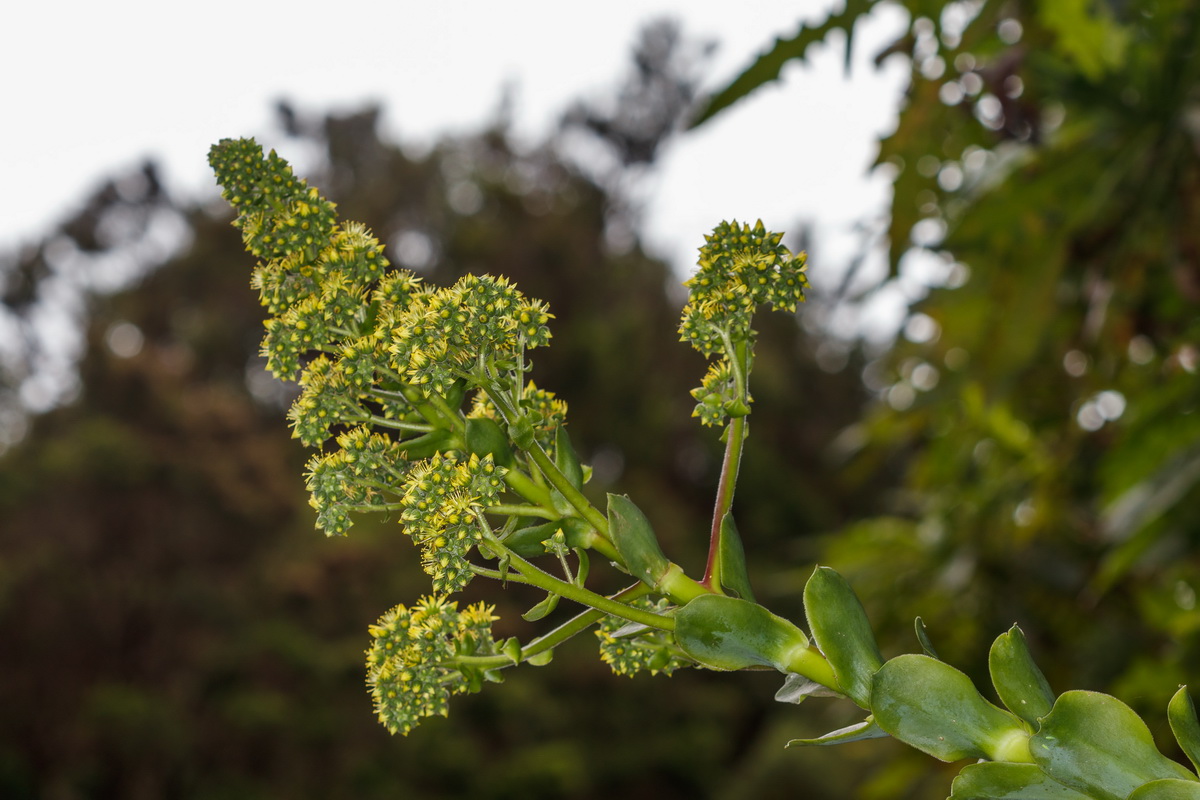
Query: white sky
x=89 y=88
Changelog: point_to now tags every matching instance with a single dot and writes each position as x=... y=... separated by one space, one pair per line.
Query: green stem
x=394 y=424
x=572 y=495
x=432 y=414
x=547 y=582
x=809 y=662
x=451 y=415
x=735 y=436
x=554 y=638
x=523 y=485
x=523 y=511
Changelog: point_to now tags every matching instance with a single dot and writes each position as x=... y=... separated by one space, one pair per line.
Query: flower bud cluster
x=410 y=665
x=739 y=268
x=650 y=649
x=441 y=497
x=356 y=477
x=444 y=333
x=314 y=276
x=715 y=393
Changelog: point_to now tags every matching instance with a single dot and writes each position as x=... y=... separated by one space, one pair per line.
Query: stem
x=451 y=415
x=809 y=662
x=523 y=485
x=735 y=436
x=522 y=511
x=547 y=582
x=554 y=638
x=572 y=495
x=394 y=424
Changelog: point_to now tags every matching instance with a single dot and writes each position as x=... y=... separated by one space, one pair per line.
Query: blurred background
x=985 y=414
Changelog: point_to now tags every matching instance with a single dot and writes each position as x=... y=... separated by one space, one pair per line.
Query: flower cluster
x=446 y=332
x=629 y=649
x=356 y=477
x=740 y=267
x=715 y=394
x=441 y=496
x=411 y=668
x=315 y=277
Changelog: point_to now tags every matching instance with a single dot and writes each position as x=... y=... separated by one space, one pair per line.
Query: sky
x=93 y=88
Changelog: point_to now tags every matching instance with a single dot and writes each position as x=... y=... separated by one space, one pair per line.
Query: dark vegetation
x=171 y=625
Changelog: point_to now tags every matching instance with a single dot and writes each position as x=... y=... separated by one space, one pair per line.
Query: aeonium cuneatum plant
x=419 y=402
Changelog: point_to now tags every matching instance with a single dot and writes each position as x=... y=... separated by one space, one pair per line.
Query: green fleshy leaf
x=994 y=780
x=566 y=459
x=1020 y=684
x=841 y=629
x=726 y=633
x=486 y=437
x=541 y=609
x=923 y=637
x=935 y=708
x=635 y=540
x=1182 y=715
x=1095 y=743
x=1167 y=789
x=527 y=542
x=541 y=659
x=867 y=729
x=734 y=576
x=512 y=649
x=585 y=566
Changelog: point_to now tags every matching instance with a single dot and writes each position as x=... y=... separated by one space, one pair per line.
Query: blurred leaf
x=768 y=66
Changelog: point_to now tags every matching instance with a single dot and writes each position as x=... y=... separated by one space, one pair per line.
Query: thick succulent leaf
x=486 y=438
x=935 y=708
x=1167 y=789
x=1095 y=743
x=566 y=459
x=727 y=633
x=1020 y=684
x=734 y=576
x=841 y=629
x=1181 y=713
x=541 y=609
x=527 y=542
x=635 y=540
x=867 y=729
x=767 y=67
x=995 y=780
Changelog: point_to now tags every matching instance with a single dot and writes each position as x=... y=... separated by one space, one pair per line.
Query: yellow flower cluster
x=411 y=670
x=440 y=498
x=629 y=649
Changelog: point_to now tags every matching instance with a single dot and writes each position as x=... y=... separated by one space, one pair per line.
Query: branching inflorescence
x=419 y=402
